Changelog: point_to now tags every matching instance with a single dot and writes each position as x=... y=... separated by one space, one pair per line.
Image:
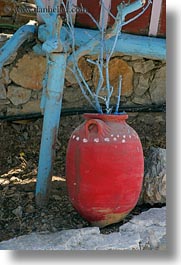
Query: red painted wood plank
x=162 y=24
x=93 y=7
x=140 y=26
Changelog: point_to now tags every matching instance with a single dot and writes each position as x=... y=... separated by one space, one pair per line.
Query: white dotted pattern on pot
x=114 y=138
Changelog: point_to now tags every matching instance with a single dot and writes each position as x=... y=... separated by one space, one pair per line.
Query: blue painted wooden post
x=52 y=111
x=51 y=102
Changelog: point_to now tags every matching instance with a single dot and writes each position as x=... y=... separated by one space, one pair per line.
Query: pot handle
x=95 y=125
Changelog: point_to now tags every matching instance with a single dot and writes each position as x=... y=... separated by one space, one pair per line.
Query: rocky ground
x=146 y=231
x=19 y=154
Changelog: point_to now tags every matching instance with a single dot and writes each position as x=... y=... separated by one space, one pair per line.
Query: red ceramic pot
x=104 y=168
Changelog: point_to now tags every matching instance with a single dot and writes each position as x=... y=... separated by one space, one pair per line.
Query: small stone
x=117 y=68
x=143 y=66
x=3 y=37
x=29 y=209
x=54 y=229
x=5 y=76
x=31 y=195
x=79 y=226
x=4 y=181
x=2 y=90
x=26 y=136
x=57 y=198
x=15 y=179
x=18 y=95
x=18 y=211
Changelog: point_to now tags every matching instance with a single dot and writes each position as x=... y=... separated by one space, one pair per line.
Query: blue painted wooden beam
x=129 y=44
x=12 y=45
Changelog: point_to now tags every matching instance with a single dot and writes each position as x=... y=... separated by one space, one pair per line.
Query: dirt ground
x=20 y=143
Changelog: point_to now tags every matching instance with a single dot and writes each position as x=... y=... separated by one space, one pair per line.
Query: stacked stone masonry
x=14 y=12
x=144 y=81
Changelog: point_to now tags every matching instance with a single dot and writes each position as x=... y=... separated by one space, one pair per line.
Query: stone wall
x=14 y=12
x=144 y=81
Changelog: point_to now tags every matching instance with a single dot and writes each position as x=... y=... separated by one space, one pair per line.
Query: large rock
x=117 y=67
x=69 y=100
x=29 y=71
x=31 y=107
x=27 y=108
x=143 y=85
x=143 y=66
x=142 y=100
x=18 y=95
x=151 y=227
x=158 y=87
x=146 y=231
x=154 y=186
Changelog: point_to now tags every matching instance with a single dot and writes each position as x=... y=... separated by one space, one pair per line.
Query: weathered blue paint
x=44 y=91
x=12 y=45
x=51 y=102
x=52 y=111
x=135 y=45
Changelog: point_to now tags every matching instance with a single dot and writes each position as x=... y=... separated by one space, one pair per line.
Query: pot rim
x=106 y=117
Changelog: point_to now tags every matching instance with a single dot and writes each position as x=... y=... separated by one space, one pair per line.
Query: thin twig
x=94 y=20
x=119 y=94
x=76 y=70
x=81 y=87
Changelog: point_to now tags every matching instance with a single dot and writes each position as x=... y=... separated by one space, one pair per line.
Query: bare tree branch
x=140 y=14
x=102 y=63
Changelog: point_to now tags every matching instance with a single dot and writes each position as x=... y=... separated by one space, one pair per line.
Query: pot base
x=110 y=219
